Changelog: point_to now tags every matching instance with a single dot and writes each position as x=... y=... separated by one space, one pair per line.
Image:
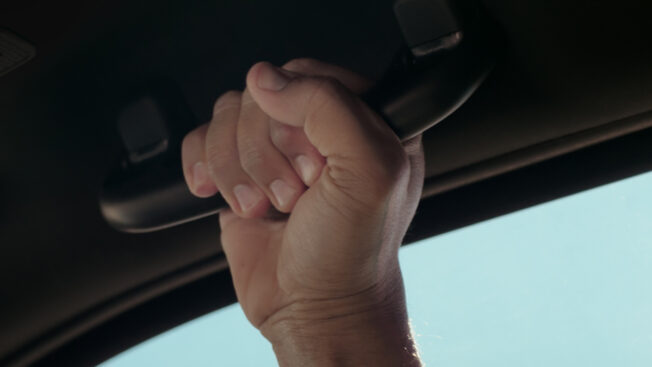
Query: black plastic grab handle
x=449 y=52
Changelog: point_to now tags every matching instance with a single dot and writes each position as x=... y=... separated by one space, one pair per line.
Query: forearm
x=360 y=333
x=361 y=343
x=323 y=284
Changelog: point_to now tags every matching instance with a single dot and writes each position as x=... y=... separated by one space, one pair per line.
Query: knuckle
x=327 y=91
x=252 y=158
x=329 y=88
x=302 y=63
x=229 y=99
x=218 y=159
x=282 y=135
x=189 y=141
x=193 y=145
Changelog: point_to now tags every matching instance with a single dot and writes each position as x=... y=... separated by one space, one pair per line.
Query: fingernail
x=307 y=168
x=272 y=78
x=201 y=180
x=246 y=196
x=283 y=192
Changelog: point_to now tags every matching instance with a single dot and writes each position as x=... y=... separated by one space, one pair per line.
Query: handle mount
x=449 y=50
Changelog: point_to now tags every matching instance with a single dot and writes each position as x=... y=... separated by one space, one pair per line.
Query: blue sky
x=566 y=283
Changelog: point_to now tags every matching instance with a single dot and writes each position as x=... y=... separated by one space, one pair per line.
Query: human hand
x=322 y=283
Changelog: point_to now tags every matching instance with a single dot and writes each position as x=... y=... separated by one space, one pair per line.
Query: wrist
x=370 y=328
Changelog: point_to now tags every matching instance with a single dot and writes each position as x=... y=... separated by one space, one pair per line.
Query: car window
x=566 y=283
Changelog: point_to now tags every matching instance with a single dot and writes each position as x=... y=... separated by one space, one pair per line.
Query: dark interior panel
x=569 y=66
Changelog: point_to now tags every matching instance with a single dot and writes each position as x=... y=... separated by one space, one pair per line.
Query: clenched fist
x=321 y=193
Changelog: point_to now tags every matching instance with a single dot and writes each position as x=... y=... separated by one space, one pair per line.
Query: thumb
x=361 y=151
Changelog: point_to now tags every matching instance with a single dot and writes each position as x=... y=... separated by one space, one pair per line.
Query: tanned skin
x=321 y=193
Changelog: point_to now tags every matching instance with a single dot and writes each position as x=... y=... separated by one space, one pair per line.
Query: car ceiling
x=568 y=66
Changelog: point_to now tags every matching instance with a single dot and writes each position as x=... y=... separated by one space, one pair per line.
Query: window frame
x=206 y=286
